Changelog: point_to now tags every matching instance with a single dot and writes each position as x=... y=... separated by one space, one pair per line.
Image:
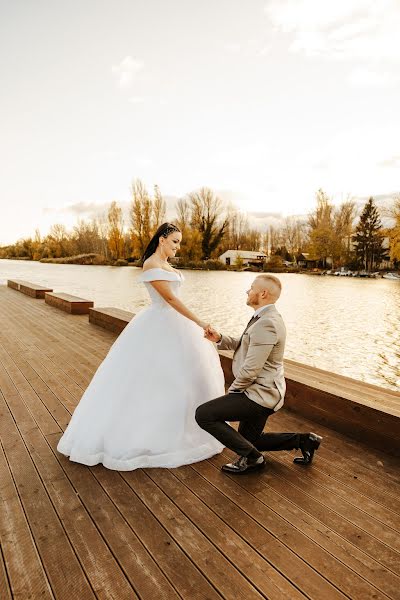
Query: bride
x=138 y=410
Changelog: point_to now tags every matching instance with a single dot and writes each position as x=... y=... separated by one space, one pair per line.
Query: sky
x=264 y=101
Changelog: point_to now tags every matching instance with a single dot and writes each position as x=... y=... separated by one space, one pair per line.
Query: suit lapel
x=253 y=320
x=249 y=324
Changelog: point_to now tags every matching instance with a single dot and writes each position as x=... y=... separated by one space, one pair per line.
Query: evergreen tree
x=368 y=238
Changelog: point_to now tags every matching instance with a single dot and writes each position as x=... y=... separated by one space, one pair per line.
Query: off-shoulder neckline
x=161 y=269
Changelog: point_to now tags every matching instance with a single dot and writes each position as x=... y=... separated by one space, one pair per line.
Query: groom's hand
x=211 y=334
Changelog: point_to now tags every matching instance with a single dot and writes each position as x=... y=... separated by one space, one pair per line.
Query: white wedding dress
x=138 y=410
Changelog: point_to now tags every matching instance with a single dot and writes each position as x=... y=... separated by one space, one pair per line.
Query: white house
x=230 y=257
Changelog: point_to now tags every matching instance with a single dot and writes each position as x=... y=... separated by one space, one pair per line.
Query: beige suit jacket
x=258 y=359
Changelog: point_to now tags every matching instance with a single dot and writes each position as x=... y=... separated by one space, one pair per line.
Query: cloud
x=341 y=30
x=265 y=215
x=80 y=209
x=368 y=78
x=126 y=71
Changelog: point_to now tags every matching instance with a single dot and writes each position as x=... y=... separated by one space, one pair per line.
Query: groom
x=258 y=389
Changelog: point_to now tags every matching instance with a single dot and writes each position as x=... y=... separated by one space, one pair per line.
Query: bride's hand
x=204 y=325
x=211 y=334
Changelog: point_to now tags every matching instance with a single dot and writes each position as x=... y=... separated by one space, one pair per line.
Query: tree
x=140 y=217
x=115 y=231
x=368 y=238
x=191 y=238
x=86 y=237
x=58 y=240
x=146 y=215
x=206 y=217
x=394 y=232
x=343 y=229
x=292 y=236
x=321 y=230
x=159 y=209
x=237 y=230
x=273 y=240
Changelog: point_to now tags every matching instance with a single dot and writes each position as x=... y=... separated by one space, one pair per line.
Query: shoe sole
x=248 y=470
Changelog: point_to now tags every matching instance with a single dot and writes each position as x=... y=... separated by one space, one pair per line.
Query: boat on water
x=392 y=276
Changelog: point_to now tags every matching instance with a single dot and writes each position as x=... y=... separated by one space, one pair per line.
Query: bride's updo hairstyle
x=163 y=231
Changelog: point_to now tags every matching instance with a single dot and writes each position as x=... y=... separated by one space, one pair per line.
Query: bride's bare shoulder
x=150 y=263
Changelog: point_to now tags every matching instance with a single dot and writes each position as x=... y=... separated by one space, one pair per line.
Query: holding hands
x=211 y=334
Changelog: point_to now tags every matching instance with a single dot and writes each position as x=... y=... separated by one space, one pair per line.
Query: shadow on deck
x=70 y=532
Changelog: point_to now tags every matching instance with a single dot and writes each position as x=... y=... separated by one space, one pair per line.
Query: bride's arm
x=163 y=288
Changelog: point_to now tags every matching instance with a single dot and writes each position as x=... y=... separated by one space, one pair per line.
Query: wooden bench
x=113 y=319
x=30 y=289
x=70 y=304
x=365 y=412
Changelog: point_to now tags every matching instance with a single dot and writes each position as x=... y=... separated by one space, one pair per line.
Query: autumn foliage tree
x=394 y=233
x=115 y=231
x=146 y=215
x=320 y=223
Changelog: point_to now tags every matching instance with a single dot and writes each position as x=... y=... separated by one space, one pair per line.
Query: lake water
x=344 y=325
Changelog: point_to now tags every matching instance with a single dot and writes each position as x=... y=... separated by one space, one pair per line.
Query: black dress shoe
x=309 y=443
x=244 y=464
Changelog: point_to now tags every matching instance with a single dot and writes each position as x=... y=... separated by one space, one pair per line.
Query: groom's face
x=254 y=294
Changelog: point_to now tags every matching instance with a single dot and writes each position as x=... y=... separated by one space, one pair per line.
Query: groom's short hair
x=272 y=283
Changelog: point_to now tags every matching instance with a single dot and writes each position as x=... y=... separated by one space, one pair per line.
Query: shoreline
x=80 y=261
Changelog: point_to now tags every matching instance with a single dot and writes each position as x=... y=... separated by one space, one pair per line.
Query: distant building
x=230 y=257
x=306 y=261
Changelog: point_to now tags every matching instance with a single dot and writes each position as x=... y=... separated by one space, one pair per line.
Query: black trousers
x=252 y=417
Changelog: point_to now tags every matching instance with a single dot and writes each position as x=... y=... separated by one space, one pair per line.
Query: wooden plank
x=360 y=460
x=136 y=564
x=49 y=400
x=123 y=520
x=304 y=551
x=5 y=589
x=293 y=488
x=341 y=549
x=339 y=466
x=24 y=567
x=102 y=570
x=352 y=389
x=47 y=531
x=383 y=518
x=222 y=575
x=28 y=395
x=256 y=568
x=369 y=425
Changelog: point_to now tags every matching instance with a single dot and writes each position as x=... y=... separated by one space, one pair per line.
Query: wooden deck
x=330 y=531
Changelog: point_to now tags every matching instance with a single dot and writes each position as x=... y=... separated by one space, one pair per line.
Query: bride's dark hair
x=163 y=231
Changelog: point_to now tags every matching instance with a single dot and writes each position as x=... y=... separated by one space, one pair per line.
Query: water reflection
x=344 y=325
